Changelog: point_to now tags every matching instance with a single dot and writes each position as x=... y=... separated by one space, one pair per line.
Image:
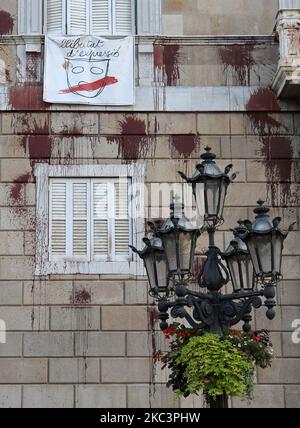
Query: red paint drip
x=16 y=190
x=6 y=23
x=27 y=98
x=277 y=151
x=166 y=61
x=238 y=58
x=185 y=145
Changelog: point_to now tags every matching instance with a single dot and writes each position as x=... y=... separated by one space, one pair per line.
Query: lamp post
x=252 y=262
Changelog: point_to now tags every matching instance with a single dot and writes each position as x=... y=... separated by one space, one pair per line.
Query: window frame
x=45 y=265
x=66 y=21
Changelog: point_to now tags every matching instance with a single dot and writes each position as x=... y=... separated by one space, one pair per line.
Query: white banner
x=89 y=70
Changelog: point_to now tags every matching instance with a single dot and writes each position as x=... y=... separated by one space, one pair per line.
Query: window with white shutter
x=123 y=16
x=78 y=16
x=90 y=219
x=101 y=22
x=87 y=216
x=98 y=17
x=55 y=13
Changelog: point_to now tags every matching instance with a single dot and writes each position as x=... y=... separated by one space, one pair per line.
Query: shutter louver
x=100 y=215
x=80 y=219
x=123 y=16
x=55 y=16
x=78 y=17
x=58 y=219
x=121 y=220
x=101 y=16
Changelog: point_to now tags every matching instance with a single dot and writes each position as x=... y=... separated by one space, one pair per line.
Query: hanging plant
x=216 y=364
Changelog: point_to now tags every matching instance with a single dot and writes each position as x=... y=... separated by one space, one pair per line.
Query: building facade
x=80 y=327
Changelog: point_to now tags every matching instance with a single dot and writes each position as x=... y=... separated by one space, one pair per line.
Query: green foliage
x=213 y=364
x=256 y=346
x=217 y=364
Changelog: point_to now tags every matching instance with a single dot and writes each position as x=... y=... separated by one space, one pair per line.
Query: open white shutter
x=100 y=219
x=123 y=16
x=58 y=212
x=78 y=16
x=101 y=16
x=55 y=16
x=80 y=191
x=121 y=218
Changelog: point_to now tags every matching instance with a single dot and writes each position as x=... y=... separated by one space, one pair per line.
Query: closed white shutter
x=121 y=218
x=78 y=17
x=55 y=17
x=100 y=219
x=58 y=213
x=123 y=16
x=80 y=191
x=101 y=16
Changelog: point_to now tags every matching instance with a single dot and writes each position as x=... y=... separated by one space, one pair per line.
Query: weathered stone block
x=12 y=147
x=48 y=344
x=292 y=396
x=101 y=397
x=285 y=370
x=48 y=396
x=10 y=293
x=265 y=396
x=124 y=318
x=11 y=243
x=173 y=124
x=16 y=170
x=23 y=370
x=13 y=346
x=83 y=318
x=48 y=292
x=290 y=349
x=25 y=318
x=25 y=123
x=10 y=396
x=125 y=370
x=136 y=293
x=213 y=124
x=17 y=218
x=151 y=396
x=98 y=292
x=74 y=123
x=100 y=344
x=74 y=370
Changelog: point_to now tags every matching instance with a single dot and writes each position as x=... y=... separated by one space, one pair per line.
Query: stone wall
x=84 y=341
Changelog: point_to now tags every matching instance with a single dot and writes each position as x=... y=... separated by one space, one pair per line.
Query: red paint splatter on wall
x=82 y=297
x=6 y=23
x=278 y=154
x=39 y=146
x=17 y=188
x=27 y=98
x=133 y=141
x=277 y=150
x=166 y=64
x=239 y=59
x=184 y=145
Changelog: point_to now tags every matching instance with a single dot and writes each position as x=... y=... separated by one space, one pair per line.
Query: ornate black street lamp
x=252 y=261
